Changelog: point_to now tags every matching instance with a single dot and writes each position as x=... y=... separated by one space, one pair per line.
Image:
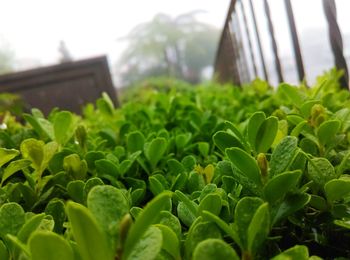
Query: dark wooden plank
x=257 y=35
x=336 y=40
x=68 y=85
x=295 y=40
x=273 y=41
x=238 y=40
x=250 y=45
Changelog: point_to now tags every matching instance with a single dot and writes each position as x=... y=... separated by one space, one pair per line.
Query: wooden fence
x=67 y=86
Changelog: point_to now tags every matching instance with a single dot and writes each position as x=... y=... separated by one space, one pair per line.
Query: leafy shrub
x=209 y=172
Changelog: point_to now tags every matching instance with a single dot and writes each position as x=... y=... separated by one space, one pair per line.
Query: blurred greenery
x=11 y=103
x=6 y=59
x=180 y=47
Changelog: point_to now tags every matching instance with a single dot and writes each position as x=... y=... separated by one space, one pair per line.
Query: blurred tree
x=179 y=47
x=64 y=52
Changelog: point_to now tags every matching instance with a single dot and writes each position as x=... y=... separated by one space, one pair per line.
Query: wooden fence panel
x=68 y=85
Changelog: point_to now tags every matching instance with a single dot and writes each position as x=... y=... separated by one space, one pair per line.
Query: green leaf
x=81 y=136
x=189 y=162
x=223 y=225
x=277 y=187
x=299 y=128
x=29 y=227
x=14 y=167
x=245 y=163
x=195 y=181
x=337 y=189
x=309 y=145
x=155 y=185
x=295 y=252
x=40 y=125
x=181 y=140
x=56 y=162
x=192 y=207
x=203 y=148
x=213 y=249
x=91 y=157
x=318 y=203
x=106 y=167
x=266 y=134
x=179 y=182
x=147 y=246
x=212 y=203
x=198 y=232
x=49 y=151
x=147 y=217
x=63 y=126
x=4 y=254
x=224 y=140
x=55 y=208
x=282 y=132
x=46 y=127
x=342 y=223
x=38 y=152
x=91 y=240
x=292 y=94
x=135 y=142
x=75 y=190
x=290 y=205
x=16 y=247
x=7 y=155
x=75 y=167
x=11 y=218
x=105 y=105
x=171 y=221
x=175 y=167
x=283 y=155
x=245 y=211
x=155 y=150
x=90 y=183
x=295 y=119
x=305 y=109
x=49 y=245
x=185 y=214
x=327 y=130
x=259 y=228
x=171 y=242
x=33 y=150
x=320 y=170
x=108 y=205
x=254 y=123
x=231 y=127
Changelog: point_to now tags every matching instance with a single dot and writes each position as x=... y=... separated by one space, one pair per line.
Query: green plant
x=208 y=172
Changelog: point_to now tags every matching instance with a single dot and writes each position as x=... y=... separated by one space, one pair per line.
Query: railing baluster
x=336 y=40
x=239 y=44
x=231 y=42
x=257 y=35
x=273 y=41
x=251 y=51
x=295 y=40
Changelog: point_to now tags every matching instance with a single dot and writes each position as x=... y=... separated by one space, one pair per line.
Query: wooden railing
x=232 y=56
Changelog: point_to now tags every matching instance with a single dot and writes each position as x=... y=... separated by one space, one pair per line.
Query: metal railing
x=233 y=56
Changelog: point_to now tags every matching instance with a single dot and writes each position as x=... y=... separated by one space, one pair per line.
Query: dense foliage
x=208 y=172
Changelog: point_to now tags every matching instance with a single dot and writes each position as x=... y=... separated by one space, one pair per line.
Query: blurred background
x=158 y=38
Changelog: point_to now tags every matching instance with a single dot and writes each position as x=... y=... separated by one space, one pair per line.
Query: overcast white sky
x=33 y=28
